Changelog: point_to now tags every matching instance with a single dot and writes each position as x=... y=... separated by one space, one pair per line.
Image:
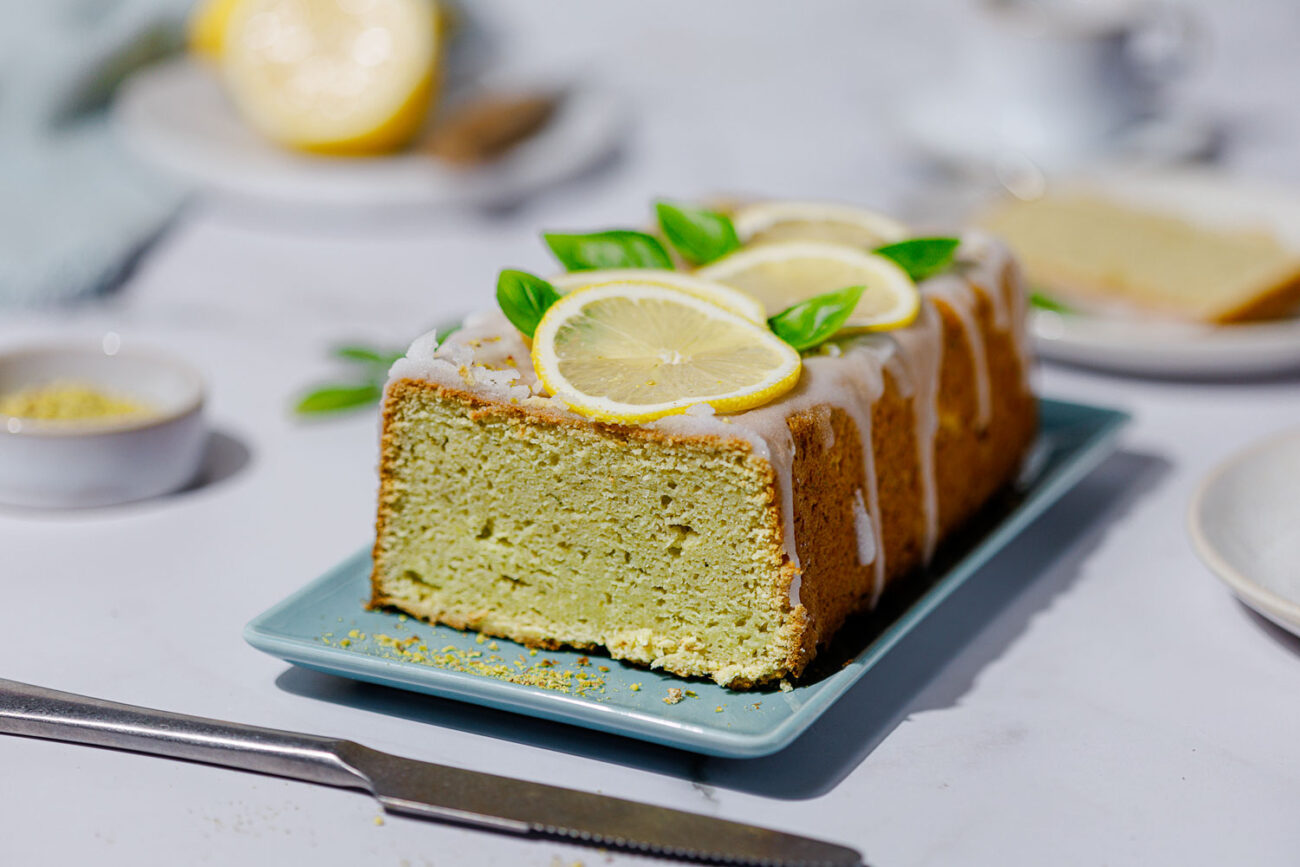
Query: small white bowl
x=57 y=464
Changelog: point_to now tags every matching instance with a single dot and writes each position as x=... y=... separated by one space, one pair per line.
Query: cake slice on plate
x=1106 y=256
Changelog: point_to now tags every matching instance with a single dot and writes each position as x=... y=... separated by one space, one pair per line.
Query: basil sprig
x=816 y=320
x=371 y=364
x=524 y=298
x=700 y=235
x=614 y=249
x=921 y=257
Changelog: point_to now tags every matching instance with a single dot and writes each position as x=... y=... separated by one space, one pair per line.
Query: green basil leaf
x=700 y=235
x=1044 y=301
x=922 y=257
x=614 y=249
x=524 y=298
x=336 y=398
x=816 y=320
x=368 y=355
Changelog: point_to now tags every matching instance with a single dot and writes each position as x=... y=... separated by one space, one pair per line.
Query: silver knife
x=407 y=786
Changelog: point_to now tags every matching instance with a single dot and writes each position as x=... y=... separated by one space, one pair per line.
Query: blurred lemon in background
x=343 y=77
x=207 y=27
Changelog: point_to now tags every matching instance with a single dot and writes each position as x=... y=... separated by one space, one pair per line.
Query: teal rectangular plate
x=309 y=628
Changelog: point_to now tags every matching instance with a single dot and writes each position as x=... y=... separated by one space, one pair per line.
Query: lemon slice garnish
x=769 y=222
x=724 y=296
x=635 y=351
x=783 y=274
x=333 y=76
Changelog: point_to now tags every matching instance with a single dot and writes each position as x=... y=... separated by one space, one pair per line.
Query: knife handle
x=38 y=712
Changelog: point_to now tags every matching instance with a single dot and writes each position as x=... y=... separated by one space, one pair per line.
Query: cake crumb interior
x=661 y=549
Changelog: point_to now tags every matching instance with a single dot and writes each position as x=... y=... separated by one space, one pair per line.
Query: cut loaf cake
x=721 y=546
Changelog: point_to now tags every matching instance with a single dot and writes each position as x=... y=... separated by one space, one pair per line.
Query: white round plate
x=1175 y=349
x=1168 y=348
x=1245 y=524
x=175 y=116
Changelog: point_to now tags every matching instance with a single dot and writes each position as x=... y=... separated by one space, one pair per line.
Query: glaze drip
x=863 y=527
x=958 y=294
x=921 y=346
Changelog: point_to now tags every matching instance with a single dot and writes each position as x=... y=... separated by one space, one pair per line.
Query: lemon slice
x=635 y=351
x=333 y=76
x=206 y=27
x=783 y=274
x=768 y=222
x=724 y=296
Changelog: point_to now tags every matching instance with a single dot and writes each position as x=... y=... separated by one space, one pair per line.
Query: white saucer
x=175 y=115
x=1245 y=524
x=1168 y=348
x=1175 y=349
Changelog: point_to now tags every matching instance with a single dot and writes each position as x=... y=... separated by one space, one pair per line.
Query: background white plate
x=1245 y=524
x=1168 y=348
x=175 y=116
x=1173 y=349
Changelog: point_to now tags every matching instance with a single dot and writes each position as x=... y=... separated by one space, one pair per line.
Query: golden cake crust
x=971 y=465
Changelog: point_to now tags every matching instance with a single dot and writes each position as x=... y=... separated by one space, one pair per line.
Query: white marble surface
x=1094 y=696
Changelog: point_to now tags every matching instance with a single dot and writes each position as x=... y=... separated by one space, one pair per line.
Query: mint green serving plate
x=325 y=626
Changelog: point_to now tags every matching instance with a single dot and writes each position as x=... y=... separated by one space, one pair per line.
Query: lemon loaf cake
x=722 y=545
x=1101 y=255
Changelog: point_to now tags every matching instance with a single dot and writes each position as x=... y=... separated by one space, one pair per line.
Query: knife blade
x=408 y=786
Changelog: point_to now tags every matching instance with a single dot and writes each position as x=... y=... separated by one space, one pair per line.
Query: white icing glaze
x=825 y=430
x=980 y=260
x=489 y=357
x=955 y=290
x=862 y=526
x=796 y=584
x=1013 y=277
x=486 y=356
x=922 y=347
x=897 y=369
x=988 y=264
x=864 y=390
